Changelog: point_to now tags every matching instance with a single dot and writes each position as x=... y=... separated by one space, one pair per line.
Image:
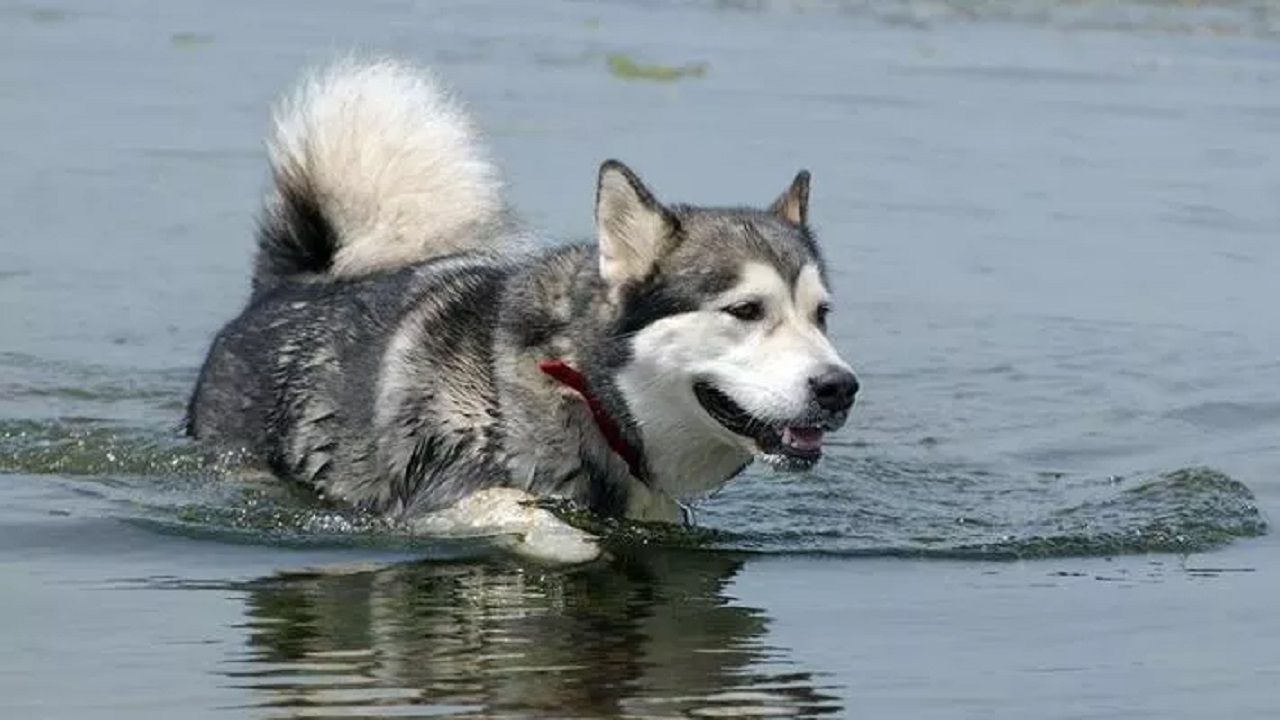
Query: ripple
x=855 y=505
x=896 y=509
x=1249 y=18
x=1228 y=415
x=90 y=447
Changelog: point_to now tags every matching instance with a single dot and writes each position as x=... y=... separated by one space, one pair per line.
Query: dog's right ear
x=633 y=229
x=793 y=205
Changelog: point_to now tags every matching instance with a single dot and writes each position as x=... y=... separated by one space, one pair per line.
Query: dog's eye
x=820 y=315
x=747 y=310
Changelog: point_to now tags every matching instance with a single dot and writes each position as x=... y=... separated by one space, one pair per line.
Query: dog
x=408 y=342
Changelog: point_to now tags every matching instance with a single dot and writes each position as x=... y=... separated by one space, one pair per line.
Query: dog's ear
x=793 y=205
x=634 y=230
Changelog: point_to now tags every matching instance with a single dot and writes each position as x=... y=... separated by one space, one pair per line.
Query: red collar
x=560 y=371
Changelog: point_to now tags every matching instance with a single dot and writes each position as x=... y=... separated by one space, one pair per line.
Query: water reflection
x=652 y=635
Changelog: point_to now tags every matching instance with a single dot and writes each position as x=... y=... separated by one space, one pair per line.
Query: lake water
x=1053 y=233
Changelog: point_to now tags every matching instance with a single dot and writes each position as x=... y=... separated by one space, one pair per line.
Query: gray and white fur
x=389 y=353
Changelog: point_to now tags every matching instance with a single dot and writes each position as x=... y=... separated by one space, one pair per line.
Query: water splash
x=873 y=507
x=1184 y=511
x=89 y=447
x=863 y=506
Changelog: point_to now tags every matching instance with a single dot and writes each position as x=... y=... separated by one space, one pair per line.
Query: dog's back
x=379 y=190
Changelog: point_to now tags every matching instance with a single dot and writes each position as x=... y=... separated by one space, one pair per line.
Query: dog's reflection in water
x=651 y=635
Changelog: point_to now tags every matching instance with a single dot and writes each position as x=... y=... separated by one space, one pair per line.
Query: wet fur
x=388 y=353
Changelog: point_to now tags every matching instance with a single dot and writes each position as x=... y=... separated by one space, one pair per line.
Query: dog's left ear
x=634 y=229
x=793 y=205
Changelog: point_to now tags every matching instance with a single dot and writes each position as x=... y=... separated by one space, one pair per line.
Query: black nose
x=834 y=389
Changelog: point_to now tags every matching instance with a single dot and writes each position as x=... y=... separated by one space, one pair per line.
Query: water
x=1052 y=230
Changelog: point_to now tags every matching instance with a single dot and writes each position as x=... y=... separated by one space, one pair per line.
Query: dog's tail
x=374 y=167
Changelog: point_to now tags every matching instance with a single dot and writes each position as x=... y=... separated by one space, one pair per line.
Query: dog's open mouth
x=790 y=447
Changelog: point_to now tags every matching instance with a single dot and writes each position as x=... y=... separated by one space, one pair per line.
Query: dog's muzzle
x=790 y=443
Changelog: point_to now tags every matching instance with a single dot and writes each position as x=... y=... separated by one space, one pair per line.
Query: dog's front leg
x=647 y=504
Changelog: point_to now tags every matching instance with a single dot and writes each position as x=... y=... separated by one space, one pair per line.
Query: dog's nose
x=834 y=389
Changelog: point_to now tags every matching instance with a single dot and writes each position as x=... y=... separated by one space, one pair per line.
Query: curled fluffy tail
x=374 y=167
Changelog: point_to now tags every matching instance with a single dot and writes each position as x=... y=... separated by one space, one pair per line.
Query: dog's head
x=723 y=312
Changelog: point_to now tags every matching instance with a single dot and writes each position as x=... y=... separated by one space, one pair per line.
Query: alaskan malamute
x=406 y=344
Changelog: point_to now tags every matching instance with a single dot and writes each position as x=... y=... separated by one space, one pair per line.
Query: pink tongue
x=802 y=438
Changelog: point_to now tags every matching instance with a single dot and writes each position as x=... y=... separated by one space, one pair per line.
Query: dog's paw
x=512 y=520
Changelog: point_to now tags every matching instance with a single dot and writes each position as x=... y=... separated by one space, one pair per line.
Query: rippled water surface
x=1053 y=233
